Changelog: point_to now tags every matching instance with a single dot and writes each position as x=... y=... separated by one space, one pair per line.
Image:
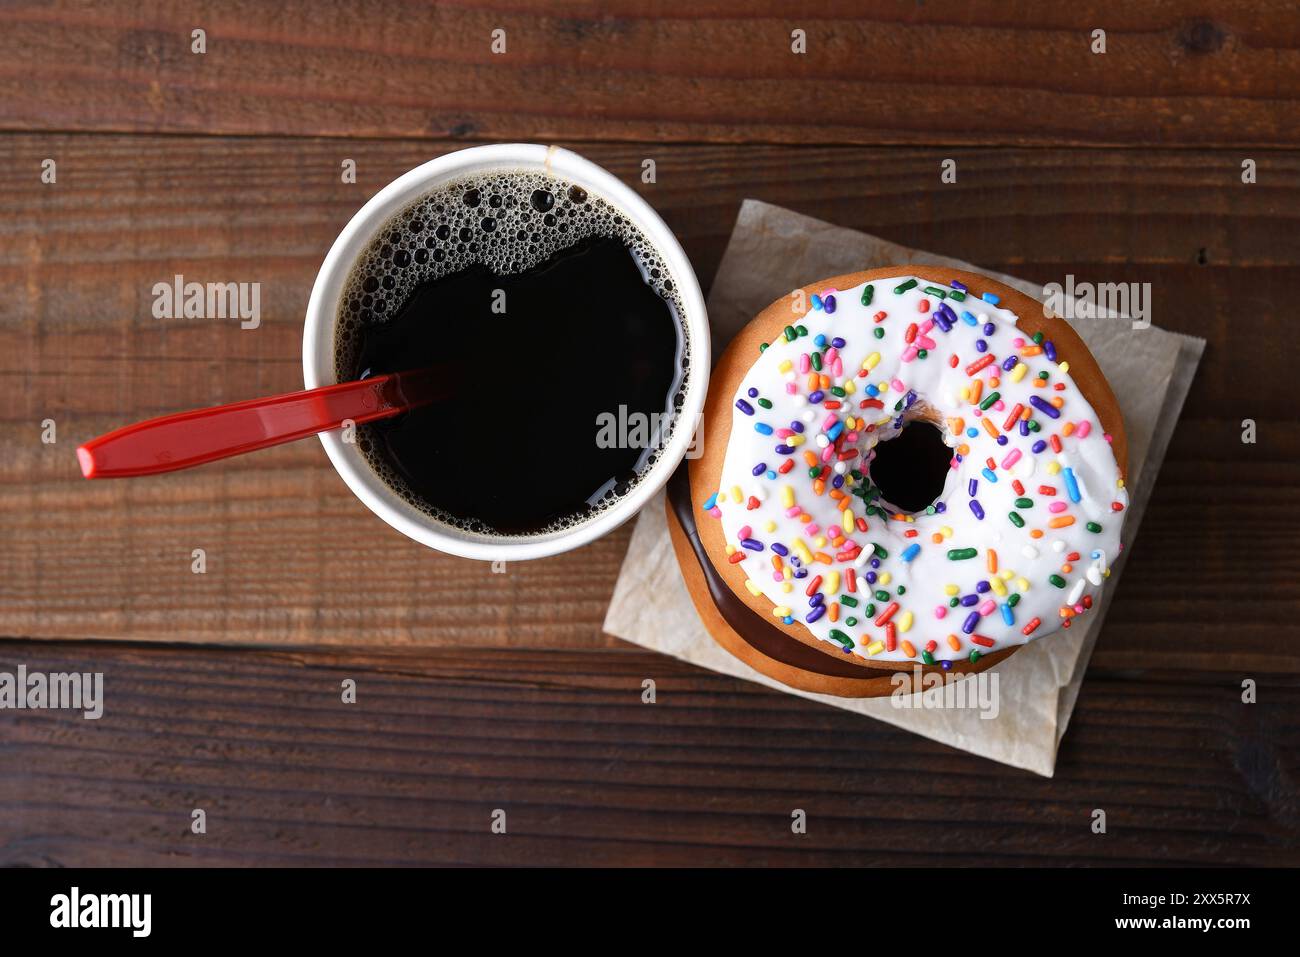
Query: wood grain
x=589 y=775
x=286 y=542
x=967 y=72
x=225 y=166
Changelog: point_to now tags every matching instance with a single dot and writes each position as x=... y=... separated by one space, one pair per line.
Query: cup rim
x=322 y=313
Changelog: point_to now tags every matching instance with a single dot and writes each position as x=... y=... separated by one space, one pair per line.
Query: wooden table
x=479 y=691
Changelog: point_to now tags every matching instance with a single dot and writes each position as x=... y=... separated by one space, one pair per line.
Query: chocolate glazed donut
x=742 y=622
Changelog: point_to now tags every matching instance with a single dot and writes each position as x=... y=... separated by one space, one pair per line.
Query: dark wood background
x=481 y=691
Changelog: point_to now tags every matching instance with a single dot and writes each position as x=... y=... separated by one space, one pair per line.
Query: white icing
x=1022 y=559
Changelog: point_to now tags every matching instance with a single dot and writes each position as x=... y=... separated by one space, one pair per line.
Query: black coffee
x=547 y=314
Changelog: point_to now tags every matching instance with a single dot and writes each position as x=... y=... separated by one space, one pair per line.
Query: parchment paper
x=773 y=250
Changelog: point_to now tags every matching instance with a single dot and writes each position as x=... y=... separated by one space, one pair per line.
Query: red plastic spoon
x=192 y=438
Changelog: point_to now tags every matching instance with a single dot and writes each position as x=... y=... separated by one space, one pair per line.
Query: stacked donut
x=798 y=561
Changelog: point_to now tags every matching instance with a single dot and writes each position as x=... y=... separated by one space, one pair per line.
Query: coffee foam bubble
x=508 y=220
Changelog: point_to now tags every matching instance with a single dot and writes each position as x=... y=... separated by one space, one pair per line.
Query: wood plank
x=1211 y=578
x=978 y=72
x=588 y=774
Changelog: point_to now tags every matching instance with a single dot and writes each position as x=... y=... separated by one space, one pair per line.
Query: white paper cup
x=318 y=345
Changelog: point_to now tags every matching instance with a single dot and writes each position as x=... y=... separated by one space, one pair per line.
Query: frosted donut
x=789 y=540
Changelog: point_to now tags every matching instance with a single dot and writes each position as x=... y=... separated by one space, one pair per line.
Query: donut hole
x=911 y=468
